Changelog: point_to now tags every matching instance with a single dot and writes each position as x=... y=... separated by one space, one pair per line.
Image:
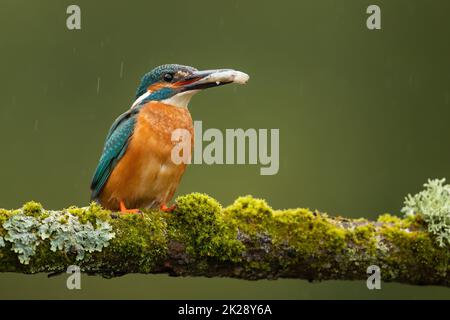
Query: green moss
x=322 y=242
x=387 y=218
x=415 y=250
x=308 y=237
x=91 y=213
x=306 y=231
x=395 y=220
x=364 y=233
x=200 y=223
x=250 y=215
x=32 y=208
x=140 y=242
x=364 y=236
x=4 y=215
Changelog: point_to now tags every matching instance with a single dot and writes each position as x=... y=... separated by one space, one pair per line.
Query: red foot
x=124 y=210
x=164 y=208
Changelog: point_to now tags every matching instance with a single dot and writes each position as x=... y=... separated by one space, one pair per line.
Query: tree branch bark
x=247 y=240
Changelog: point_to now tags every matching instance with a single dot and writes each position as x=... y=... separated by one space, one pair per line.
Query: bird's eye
x=168 y=77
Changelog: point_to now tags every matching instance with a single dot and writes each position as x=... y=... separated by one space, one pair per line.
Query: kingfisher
x=135 y=169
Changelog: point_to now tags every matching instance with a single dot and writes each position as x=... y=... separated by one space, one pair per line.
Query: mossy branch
x=246 y=240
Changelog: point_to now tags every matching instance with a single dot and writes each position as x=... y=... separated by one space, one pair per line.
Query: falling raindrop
x=98 y=85
x=121 y=70
x=36 y=123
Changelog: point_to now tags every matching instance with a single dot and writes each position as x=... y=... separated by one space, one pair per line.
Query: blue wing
x=115 y=146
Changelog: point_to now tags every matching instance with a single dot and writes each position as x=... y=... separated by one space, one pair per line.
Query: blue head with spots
x=163 y=77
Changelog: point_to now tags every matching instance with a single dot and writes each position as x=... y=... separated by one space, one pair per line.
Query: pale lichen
x=67 y=233
x=32 y=225
x=433 y=204
x=22 y=233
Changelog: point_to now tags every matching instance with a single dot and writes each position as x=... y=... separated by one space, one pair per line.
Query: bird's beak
x=212 y=78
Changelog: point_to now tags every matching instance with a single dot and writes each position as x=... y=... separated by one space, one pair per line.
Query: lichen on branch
x=247 y=239
x=433 y=204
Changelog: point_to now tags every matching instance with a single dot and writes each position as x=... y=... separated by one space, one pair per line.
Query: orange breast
x=146 y=175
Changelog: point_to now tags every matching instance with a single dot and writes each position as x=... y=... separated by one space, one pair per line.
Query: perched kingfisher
x=135 y=169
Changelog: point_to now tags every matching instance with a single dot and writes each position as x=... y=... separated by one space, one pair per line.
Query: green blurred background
x=363 y=115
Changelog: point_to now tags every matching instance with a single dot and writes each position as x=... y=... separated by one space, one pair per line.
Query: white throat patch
x=180 y=100
x=142 y=97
